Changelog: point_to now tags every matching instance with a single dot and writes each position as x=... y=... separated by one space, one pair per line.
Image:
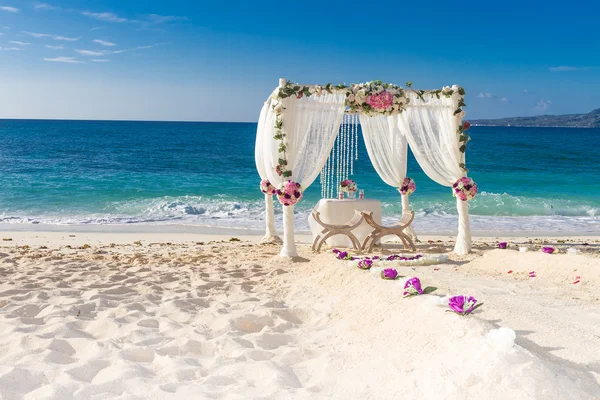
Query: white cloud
x=37 y=35
x=543 y=104
x=485 y=95
x=159 y=19
x=19 y=43
x=525 y=91
x=95 y=29
x=104 y=16
x=151 y=46
x=104 y=42
x=100 y=60
x=49 y=46
x=564 y=68
x=10 y=48
x=9 y=9
x=44 y=6
x=55 y=37
x=68 y=60
x=505 y=99
x=90 y=52
x=66 y=39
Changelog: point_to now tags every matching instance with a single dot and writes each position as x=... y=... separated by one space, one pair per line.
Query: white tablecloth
x=339 y=212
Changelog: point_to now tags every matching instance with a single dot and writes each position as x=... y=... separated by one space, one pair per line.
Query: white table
x=339 y=212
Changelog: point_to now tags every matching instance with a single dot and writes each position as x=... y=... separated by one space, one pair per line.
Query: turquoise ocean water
x=99 y=172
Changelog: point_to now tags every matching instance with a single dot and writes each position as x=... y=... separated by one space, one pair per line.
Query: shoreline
x=203 y=230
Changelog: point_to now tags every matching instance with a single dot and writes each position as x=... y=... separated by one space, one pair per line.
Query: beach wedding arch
x=306 y=131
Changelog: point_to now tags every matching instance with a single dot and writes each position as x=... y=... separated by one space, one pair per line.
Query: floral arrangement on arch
x=371 y=98
x=348 y=186
x=408 y=186
x=289 y=193
x=376 y=97
x=267 y=188
x=464 y=188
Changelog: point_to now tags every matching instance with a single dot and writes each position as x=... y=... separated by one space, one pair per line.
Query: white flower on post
x=278 y=108
x=282 y=82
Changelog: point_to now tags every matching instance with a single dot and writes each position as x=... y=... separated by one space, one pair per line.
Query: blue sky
x=218 y=61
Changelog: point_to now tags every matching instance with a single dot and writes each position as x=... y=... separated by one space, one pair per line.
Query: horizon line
x=122 y=120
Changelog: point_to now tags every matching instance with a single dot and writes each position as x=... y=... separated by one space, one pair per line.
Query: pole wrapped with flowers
x=269 y=190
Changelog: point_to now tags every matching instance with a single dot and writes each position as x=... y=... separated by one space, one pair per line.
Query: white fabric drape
x=311 y=125
x=259 y=159
x=386 y=146
x=388 y=151
x=431 y=131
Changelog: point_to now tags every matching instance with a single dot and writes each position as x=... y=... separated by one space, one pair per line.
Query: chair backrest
x=352 y=223
x=407 y=218
x=368 y=216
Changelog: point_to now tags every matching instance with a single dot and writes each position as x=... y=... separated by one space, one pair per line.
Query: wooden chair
x=332 y=230
x=380 y=231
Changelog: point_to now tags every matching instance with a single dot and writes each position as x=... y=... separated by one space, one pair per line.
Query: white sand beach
x=88 y=315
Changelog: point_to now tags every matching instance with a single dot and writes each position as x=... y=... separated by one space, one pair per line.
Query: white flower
x=350 y=97
x=361 y=93
x=278 y=108
x=282 y=82
x=318 y=90
x=455 y=87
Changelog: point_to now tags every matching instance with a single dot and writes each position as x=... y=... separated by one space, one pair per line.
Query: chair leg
x=364 y=245
x=323 y=239
x=374 y=240
x=412 y=245
x=314 y=245
x=355 y=242
x=407 y=241
x=403 y=242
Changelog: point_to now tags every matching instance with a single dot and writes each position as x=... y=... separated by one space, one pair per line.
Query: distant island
x=589 y=120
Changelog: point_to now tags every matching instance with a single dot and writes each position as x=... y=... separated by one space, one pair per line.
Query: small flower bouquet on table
x=348 y=186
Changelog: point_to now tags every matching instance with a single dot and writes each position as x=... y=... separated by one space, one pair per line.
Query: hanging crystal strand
x=356 y=136
x=345 y=168
x=351 y=152
x=351 y=122
x=330 y=176
x=337 y=161
x=344 y=153
x=322 y=180
x=346 y=148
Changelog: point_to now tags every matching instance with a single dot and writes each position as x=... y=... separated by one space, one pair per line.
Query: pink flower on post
x=267 y=188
